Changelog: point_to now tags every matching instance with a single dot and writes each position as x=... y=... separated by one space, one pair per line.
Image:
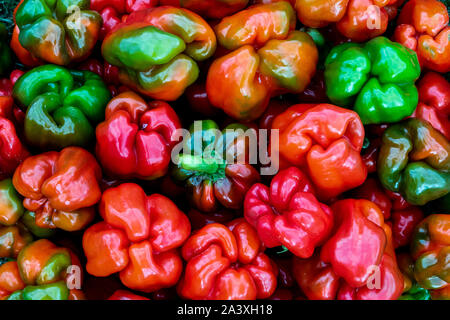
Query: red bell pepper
x=326 y=140
x=434 y=102
x=60 y=187
x=226 y=263
x=288 y=213
x=136 y=138
x=423 y=27
x=138 y=238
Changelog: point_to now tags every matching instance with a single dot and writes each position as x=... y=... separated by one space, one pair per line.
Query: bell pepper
x=376 y=77
x=213 y=9
x=430 y=249
x=326 y=140
x=63 y=106
x=108 y=72
x=434 y=102
x=288 y=213
x=12 y=240
x=211 y=166
x=136 y=138
x=61 y=188
x=60 y=31
x=412 y=290
x=11 y=208
x=5 y=52
x=125 y=295
x=12 y=151
x=414 y=160
x=268 y=58
x=226 y=262
x=138 y=238
x=422 y=26
x=22 y=54
x=157 y=50
x=40 y=273
x=404 y=223
x=113 y=12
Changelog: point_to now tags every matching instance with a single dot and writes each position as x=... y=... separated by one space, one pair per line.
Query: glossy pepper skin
x=377 y=78
x=423 y=27
x=226 y=263
x=60 y=31
x=41 y=272
x=288 y=213
x=412 y=290
x=157 y=50
x=5 y=52
x=136 y=138
x=214 y=166
x=11 y=208
x=138 y=238
x=12 y=151
x=434 y=102
x=414 y=160
x=113 y=12
x=326 y=140
x=63 y=106
x=213 y=9
x=430 y=249
x=12 y=240
x=360 y=246
x=61 y=188
x=268 y=58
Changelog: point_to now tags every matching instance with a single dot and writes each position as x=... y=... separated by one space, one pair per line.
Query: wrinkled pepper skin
x=434 y=102
x=326 y=140
x=377 y=78
x=40 y=273
x=113 y=12
x=157 y=50
x=63 y=106
x=5 y=52
x=423 y=27
x=288 y=213
x=213 y=9
x=60 y=31
x=214 y=166
x=430 y=248
x=12 y=151
x=61 y=188
x=414 y=160
x=268 y=58
x=136 y=138
x=226 y=263
x=138 y=238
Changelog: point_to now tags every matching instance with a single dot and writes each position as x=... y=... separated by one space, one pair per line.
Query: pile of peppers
x=225 y=150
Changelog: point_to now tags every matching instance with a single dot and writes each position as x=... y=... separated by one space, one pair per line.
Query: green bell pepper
x=414 y=160
x=64 y=106
x=377 y=78
x=51 y=291
x=416 y=293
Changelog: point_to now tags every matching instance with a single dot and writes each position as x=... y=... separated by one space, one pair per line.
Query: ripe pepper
x=113 y=12
x=414 y=160
x=12 y=151
x=212 y=168
x=226 y=263
x=136 y=138
x=5 y=52
x=138 y=238
x=434 y=102
x=213 y=9
x=288 y=213
x=60 y=31
x=430 y=248
x=12 y=240
x=269 y=58
x=326 y=140
x=63 y=106
x=40 y=273
x=412 y=290
x=360 y=248
x=61 y=188
x=11 y=208
x=422 y=26
x=157 y=50
x=376 y=77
